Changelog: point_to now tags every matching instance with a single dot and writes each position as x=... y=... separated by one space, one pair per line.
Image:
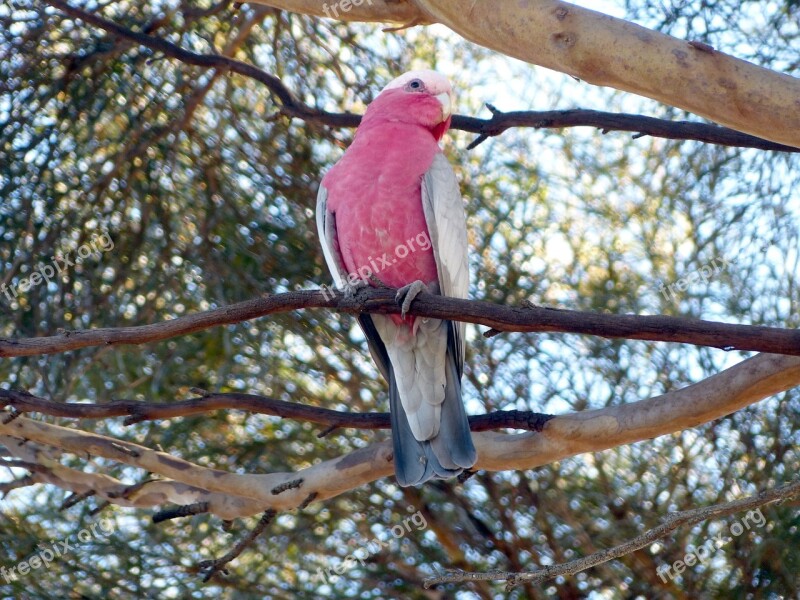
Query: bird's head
x=422 y=97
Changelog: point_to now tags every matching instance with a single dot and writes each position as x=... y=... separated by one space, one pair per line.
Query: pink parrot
x=390 y=214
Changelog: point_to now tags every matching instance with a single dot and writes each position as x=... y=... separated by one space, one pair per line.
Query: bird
x=390 y=214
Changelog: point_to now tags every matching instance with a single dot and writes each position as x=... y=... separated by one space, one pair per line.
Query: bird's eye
x=415 y=85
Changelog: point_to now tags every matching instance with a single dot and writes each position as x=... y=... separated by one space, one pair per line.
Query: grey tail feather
x=447 y=454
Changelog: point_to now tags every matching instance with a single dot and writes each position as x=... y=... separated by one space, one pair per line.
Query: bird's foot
x=351 y=289
x=406 y=295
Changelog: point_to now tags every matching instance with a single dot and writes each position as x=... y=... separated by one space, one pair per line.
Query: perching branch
x=672 y=522
x=232 y=495
x=500 y=121
x=528 y=318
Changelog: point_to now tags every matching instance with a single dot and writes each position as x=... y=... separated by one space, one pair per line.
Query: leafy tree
x=193 y=188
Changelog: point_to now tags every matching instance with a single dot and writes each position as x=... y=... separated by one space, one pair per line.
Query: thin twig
x=288 y=485
x=100 y=506
x=671 y=522
x=13 y=463
x=177 y=512
x=75 y=498
x=212 y=567
x=308 y=500
x=8 y=486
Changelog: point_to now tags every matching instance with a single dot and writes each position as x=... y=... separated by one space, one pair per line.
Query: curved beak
x=446 y=100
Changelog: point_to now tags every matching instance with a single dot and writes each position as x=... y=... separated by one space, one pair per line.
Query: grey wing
x=326 y=227
x=447 y=225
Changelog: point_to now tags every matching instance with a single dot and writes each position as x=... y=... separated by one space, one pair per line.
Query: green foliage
x=208 y=195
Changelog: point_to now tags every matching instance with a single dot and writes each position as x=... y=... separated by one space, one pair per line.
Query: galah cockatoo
x=390 y=214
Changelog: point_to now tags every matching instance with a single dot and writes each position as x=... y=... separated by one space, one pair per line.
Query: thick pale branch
x=403 y=12
x=606 y=51
x=277 y=491
x=139 y=495
x=672 y=522
x=527 y=318
x=594 y=430
x=497 y=124
x=563 y=436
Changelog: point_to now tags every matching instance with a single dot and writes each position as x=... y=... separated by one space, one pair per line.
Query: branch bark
x=563 y=436
x=153 y=492
x=24 y=402
x=606 y=51
x=528 y=318
x=290 y=106
x=640 y=125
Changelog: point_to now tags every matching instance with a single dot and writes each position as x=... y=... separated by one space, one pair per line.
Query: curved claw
x=406 y=295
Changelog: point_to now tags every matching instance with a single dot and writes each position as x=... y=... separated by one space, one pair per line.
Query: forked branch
x=290 y=106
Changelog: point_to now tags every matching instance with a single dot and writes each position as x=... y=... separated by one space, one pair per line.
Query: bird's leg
x=406 y=295
x=351 y=289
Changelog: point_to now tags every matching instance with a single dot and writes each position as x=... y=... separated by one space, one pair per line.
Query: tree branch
x=672 y=522
x=212 y=567
x=232 y=495
x=497 y=124
x=607 y=51
x=528 y=318
x=136 y=411
x=22 y=482
x=145 y=494
x=607 y=121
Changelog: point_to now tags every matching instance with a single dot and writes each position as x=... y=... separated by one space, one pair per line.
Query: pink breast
x=374 y=192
